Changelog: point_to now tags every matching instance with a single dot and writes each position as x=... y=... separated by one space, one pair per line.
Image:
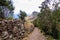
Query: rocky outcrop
x=12 y=30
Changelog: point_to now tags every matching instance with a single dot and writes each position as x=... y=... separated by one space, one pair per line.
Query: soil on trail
x=35 y=35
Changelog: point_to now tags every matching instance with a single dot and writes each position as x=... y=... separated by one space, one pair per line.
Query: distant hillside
x=31 y=17
x=35 y=13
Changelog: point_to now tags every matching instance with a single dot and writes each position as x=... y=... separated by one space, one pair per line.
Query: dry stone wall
x=12 y=30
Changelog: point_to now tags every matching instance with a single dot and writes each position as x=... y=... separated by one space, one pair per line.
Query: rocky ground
x=13 y=30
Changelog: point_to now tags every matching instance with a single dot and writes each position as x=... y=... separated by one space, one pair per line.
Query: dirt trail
x=35 y=35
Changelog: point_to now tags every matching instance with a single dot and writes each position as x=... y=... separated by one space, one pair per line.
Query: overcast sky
x=27 y=5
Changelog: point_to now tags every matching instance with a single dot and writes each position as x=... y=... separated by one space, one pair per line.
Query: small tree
x=22 y=15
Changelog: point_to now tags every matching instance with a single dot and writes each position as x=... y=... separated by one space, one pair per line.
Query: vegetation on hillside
x=49 y=20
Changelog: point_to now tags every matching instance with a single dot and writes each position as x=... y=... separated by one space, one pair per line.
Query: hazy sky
x=27 y=5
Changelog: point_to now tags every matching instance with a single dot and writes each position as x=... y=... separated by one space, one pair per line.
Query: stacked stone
x=12 y=30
